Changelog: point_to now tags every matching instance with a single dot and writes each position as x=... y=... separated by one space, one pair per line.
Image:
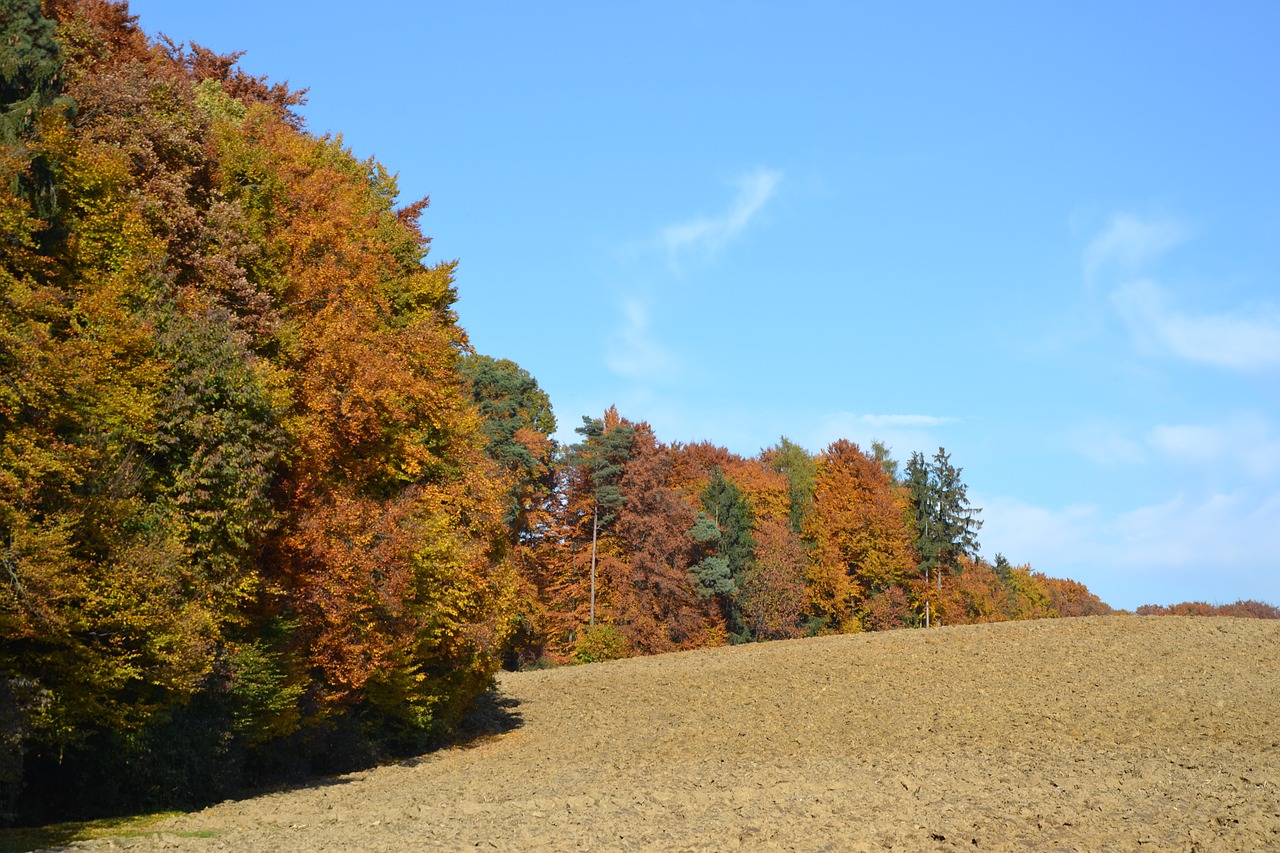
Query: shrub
x=600 y=642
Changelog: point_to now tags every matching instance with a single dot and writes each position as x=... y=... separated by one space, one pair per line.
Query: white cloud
x=901 y=433
x=1246 y=442
x=904 y=420
x=1044 y=537
x=1233 y=531
x=1105 y=445
x=634 y=354
x=1240 y=340
x=1129 y=242
x=1189 y=442
x=706 y=236
x=1216 y=546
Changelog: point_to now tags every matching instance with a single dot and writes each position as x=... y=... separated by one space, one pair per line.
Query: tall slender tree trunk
x=595 y=526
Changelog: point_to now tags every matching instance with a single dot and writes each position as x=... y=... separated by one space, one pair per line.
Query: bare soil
x=1118 y=733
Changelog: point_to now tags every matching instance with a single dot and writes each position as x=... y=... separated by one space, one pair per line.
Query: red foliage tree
x=658 y=607
x=773 y=599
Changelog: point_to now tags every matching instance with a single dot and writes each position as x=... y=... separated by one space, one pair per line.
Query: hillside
x=1100 y=733
x=266 y=514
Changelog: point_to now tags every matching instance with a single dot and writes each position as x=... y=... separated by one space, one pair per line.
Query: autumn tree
x=1241 y=609
x=800 y=469
x=1072 y=598
x=109 y=619
x=773 y=601
x=585 y=556
x=517 y=422
x=659 y=606
x=977 y=594
x=390 y=549
x=860 y=534
x=244 y=492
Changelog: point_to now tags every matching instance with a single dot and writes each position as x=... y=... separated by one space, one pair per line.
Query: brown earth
x=1118 y=733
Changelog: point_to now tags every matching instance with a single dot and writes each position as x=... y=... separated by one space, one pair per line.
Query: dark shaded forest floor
x=1115 y=733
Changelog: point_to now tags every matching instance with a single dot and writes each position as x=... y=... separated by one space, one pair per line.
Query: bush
x=1241 y=609
x=600 y=642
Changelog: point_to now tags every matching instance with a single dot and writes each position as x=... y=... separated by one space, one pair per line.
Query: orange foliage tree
x=861 y=541
x=241 y=475
x=391 y=543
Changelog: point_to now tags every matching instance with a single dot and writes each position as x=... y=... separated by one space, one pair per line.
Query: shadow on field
x=491 y=715
x=22 y=839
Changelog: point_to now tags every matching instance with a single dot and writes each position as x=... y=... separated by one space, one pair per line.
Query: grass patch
x=22 y=839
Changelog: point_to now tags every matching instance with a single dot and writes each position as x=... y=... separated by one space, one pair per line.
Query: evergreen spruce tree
x=946 y=524
x=30 y=82
x=723 y=530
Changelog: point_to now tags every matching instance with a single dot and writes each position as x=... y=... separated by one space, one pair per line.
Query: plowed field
x=1120 y=733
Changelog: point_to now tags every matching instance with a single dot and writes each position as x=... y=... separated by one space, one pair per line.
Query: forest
x=264 y=512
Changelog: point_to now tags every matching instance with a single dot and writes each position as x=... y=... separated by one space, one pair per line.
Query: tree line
x=263 y=510
x=247 y=524
x=628 y=545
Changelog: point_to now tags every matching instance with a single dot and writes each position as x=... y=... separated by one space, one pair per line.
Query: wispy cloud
x=1238 y=340
x=1129 y=242
x=1247 y=442
x=634 y=354
x=1212 y=546
x=904 y=420
x=1236 y=531
x=1247 y=339
x=1105 y=444
x=902 y=433
x=707 y=236
x=1047 y=538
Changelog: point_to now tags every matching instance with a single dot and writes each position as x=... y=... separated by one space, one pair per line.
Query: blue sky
x=1044 y=236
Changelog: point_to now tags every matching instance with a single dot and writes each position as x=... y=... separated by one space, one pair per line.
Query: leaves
x=774 y=598
x=231 y=401
x=858 y=524
x=256 y=490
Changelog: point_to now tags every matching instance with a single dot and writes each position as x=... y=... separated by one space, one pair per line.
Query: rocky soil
x=1118 y=733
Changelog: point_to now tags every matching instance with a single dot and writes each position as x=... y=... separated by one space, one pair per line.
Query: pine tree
x=723 y=530
x=601 y=456
x=518 y=423
x=946 y=524
x=592 y=471
x=30 y=83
